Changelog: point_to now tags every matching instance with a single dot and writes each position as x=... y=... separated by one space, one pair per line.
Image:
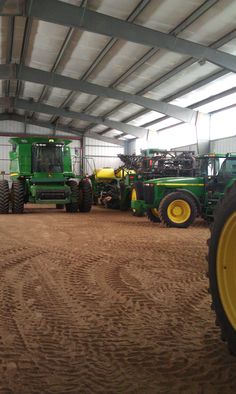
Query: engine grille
x=148 y=192
x=52 y=195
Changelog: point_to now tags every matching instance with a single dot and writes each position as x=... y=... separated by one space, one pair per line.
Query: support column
x=202 y=126
x=82 y=154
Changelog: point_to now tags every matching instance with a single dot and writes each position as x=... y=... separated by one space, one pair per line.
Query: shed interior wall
x=99 y=154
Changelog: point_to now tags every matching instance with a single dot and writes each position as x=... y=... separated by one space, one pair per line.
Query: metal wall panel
x=223 y=145
x=131 y=147
x=192 y=147
x=5 y=148
x=99 y=154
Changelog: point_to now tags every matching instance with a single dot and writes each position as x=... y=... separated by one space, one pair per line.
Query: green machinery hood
x=175 y=182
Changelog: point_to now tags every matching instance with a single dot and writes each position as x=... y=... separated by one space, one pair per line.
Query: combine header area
x=41 y=173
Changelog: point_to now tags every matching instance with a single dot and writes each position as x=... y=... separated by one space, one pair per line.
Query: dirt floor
x=106 y=303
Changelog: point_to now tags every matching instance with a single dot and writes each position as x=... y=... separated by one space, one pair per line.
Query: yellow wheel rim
x=133 y=195
x=133 y=198
x=226 y=268
x=179 y=211
x=155 y=212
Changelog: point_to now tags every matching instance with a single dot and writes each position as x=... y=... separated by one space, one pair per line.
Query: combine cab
x=41 y=173
x=177 y=201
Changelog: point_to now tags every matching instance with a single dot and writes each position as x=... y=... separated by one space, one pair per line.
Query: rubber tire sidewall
x=18 y=196
x=5 y=196
x=73 y=207
x=152 y=217
x=86 y=196
x=222 y=213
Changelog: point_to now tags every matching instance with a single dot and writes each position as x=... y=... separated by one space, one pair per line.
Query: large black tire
x=18 y=196
x=73 y=206
x=85 y=196
x=177 y=209
x=221 y=265
x=4 y=196
x=59 y=206
x=153 y=215
x=125 y=197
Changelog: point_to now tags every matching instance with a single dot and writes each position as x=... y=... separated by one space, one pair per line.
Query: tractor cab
x=217 y=170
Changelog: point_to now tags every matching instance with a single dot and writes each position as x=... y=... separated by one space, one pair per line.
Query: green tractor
x=176 y=202
x=151 y=164
x=222 y=267
x=41 y=173
x=115 y=188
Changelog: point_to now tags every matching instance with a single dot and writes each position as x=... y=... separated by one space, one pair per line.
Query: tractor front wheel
x=73 y=206
x=177 y=209
x=17 y=196
x=222 y=267
x=85 y=196
x=136 y=194
x=4 y=196
x=153 y=215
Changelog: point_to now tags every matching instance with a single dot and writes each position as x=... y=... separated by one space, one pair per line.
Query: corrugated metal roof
x=125 y=66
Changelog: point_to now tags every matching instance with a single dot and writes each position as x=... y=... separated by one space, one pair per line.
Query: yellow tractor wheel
x=137 y=194
x=222 y=267
x=178 y=209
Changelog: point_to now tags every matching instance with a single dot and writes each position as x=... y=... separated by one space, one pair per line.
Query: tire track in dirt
x=105 y=303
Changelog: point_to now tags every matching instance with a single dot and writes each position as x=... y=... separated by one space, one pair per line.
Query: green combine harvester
x=41 y=173
x=176 y=202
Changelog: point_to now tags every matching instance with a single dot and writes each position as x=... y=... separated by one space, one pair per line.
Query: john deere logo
x=50 y=175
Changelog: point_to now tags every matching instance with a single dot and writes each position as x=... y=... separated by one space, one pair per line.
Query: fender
x=195 y=198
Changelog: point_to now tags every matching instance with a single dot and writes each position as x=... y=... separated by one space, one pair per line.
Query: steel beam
x=140 y=7
x=187 y=63
x=2 y=4
x=178 y=29
x=208 y=100
x=65 y=14
x=48 y=109
x=10 y=36
x=24 y=49
x=59 y=127
x=24 y=73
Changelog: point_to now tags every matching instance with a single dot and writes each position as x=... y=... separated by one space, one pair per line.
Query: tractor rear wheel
x=85 y=196
x=4 y=196
x=177 y=209
x=222 y=267
x=153 y=215
x=17 y=196
x=74 y=205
